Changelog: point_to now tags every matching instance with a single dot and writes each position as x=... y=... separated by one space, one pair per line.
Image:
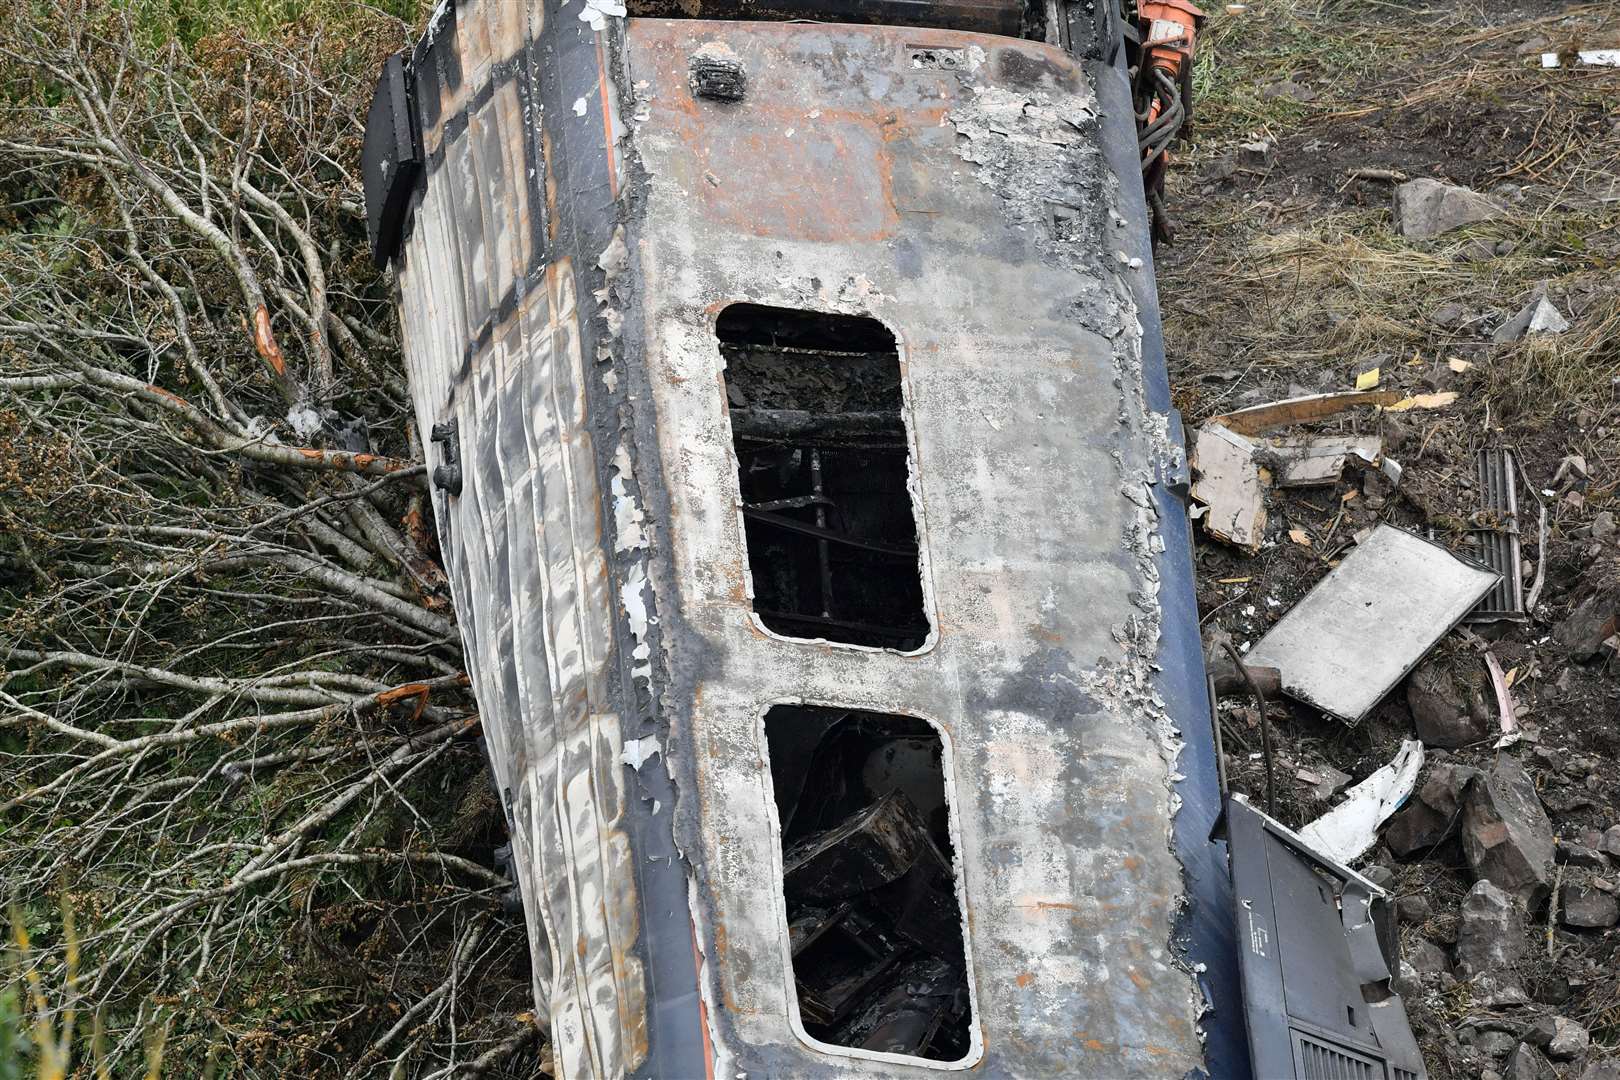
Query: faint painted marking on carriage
x=1259 y=936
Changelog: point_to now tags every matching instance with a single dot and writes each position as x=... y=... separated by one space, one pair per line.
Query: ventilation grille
x=1402 y=1074
x=1317 y=1060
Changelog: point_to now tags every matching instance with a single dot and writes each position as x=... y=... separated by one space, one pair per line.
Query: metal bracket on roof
x=391 y=159
x=1315 y=968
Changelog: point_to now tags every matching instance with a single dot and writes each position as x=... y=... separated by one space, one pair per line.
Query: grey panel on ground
x=1364 y=626
x=1315 y=978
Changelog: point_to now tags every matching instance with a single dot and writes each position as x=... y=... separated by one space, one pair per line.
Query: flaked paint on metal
x=493 y=340
x=1033 y=451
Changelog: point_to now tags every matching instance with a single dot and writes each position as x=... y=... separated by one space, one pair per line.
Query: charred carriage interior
x=822 y=462
x=874 y=923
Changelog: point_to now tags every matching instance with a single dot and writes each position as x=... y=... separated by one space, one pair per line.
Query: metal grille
x=1318 y=1060
x=1499 y=538
x=1402 y=1074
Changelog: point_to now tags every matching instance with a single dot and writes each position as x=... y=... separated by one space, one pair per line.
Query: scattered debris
x=1228 y=483
x=1537 y=317
x=1585 y=58
x=1288 y=88
x=1505 y=833
x=1350 y=828
x=1260 y=418
x=1255 y=155
x=1363 y=627
x=1388 y=176
x=1320 y=460
x=1426 y=208
x=1325 y=781
x=1367 y=379
x=1424 y=401
x=1504 y=703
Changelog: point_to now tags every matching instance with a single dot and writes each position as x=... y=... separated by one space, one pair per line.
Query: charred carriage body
x=810 y=506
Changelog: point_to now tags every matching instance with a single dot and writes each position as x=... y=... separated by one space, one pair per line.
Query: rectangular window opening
x=874 y=923
x=820 y=436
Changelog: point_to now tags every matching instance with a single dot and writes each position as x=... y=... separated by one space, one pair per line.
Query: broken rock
x=1527 y=1063
x=1448 y=710
x=1490 y=936
x=1537 y=317
x=1425 y=956
x=1425 y=208
x=1569 y=1039
x=1505 y=832
x=1586 y=908
x=1428 y=819
x=1593 y=621
x=1610 y=844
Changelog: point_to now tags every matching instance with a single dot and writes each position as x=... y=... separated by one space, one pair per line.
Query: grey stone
x=1505 y=832
x=1569 y=1040
x=1447 y=710
x=1425 y=208
x=1490 y=936
x=1381 y=876
x=1288 y=88
x=1610 y=844
x=1526 y=1063
x=1603 y=526
x=1449 y=314
x=1587 y=908
x=1256 y=155
x=1478 y=249
x=1608 y=1069
x=1416 y=828
x=1583 y=632
x=1494 y=1044
x=1425 y=956
x=1428 y=819
x=1414 y=909
x=1581 y=855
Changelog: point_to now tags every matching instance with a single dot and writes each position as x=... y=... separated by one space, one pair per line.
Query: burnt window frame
x=928 y=607
x=954 y=805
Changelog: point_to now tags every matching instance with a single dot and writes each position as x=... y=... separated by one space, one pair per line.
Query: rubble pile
x=1387 y=593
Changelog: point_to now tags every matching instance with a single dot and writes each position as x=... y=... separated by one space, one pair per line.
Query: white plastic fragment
x=597 y=12
x=580 y=106
x=1350 y=828
x=1586 y=58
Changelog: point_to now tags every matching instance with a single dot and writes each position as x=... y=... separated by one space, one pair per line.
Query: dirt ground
x=1288 y=277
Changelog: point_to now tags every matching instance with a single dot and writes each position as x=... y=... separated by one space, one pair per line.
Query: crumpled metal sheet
x=956 y=187
x=495 y=339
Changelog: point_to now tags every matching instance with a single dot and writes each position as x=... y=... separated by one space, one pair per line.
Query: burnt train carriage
x=807 y=481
